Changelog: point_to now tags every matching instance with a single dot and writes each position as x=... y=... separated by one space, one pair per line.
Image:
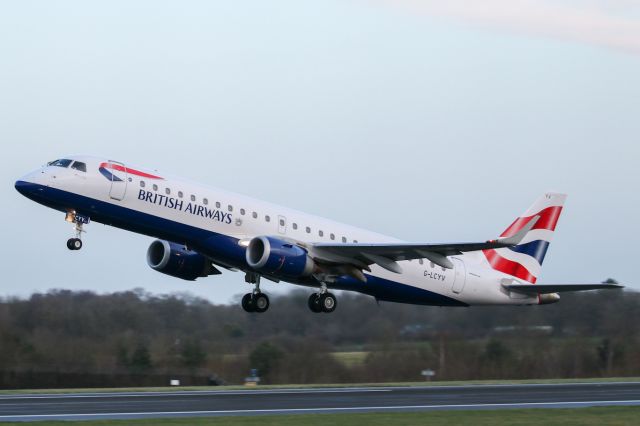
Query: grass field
x=567 y=417
x=340 y=385
x=350 y=359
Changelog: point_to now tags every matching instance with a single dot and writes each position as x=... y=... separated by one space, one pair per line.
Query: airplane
x=199 y=229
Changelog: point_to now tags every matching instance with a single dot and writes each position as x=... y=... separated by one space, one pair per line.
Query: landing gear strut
x=323 y=301
x=256 y=301
x=76 y=243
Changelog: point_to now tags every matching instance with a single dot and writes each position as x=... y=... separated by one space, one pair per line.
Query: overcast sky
x=424 y=121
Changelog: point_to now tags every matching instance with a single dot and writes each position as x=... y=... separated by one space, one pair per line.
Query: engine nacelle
x=175 y=260
x=279 y=258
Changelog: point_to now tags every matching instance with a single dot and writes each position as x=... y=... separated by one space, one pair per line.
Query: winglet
x=515 y=239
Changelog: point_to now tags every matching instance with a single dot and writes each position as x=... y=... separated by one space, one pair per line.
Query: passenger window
x=81 y=167
x=155 y=187
x=167 y=191
x=255 y=215
x=230 y=207
x=332 y=236
x=320 y=233
x=205 y=201
x=180 y=194
x=308 y=230
x=421 y=261
x=142 y=184
x=217 y=204
x=281 y=222
x=193 y=198
x=267 y=218
x=344 y=239
x=295 y=226
x=355 y=241
x=242 y=212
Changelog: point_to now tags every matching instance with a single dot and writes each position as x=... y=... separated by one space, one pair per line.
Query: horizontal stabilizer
x=558 y=288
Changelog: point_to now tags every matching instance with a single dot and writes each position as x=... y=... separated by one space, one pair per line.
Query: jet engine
x=279 y=258
x=176 y=260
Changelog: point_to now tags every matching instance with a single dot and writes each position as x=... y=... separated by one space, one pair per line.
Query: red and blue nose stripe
x=106 y=167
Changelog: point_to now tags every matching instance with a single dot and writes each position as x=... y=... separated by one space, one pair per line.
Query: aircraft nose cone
x=25 y=188
x=22 y=187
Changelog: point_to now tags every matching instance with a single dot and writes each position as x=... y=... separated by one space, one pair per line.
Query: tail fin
x=524 y=261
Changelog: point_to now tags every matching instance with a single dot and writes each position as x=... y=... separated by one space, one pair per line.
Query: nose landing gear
x=74 y=243
x=78 y=221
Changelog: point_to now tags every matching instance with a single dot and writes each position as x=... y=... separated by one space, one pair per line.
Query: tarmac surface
x=91 y=406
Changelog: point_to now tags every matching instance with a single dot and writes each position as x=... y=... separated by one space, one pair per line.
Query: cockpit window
x=60 y=163
x=82 y=167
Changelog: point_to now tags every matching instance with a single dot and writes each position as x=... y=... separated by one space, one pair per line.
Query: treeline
x=77 y=339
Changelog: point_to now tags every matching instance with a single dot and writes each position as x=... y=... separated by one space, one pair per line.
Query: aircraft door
x=460 y=275
x=119 y=181
x=282 y=225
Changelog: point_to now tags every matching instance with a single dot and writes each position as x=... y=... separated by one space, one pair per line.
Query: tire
x=247 y=303
x=328 y=303
x=261 y=302
x=74 y=244
x=314 y=303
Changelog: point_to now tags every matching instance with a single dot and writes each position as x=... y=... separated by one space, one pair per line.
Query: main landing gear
x=323 y=301
x=256 y=301
x=76 y=243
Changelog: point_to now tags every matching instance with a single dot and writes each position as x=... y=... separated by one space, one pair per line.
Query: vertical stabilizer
x=524 y=261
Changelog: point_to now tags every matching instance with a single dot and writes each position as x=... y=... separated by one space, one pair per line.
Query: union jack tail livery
x=524 y=261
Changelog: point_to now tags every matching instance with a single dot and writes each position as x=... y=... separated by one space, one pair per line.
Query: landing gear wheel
x=328 y=302
x=74 y=244
x=247 y=303
x=260 y=302
x=314 y=303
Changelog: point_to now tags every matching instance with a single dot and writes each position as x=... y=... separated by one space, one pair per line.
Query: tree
x=193 y=355
x=265 y=357
x=140 y=360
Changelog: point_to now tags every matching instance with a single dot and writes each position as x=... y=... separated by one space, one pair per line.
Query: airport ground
x=614 y=401
x=612 y=416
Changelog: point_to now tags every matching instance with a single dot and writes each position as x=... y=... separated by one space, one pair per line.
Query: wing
x=387 y=255
x=558 y=288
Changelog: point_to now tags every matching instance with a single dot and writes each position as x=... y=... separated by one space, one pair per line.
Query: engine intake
x=279 y=258
x=175 y=260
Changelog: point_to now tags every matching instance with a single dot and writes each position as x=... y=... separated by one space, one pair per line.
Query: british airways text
x=193 y=208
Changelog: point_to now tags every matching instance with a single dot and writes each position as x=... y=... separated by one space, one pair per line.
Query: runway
x=88 y=406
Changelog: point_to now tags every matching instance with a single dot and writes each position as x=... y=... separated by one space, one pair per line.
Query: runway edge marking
x=334 y=409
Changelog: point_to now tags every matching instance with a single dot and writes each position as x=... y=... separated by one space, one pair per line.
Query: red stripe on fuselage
x=507 y=266
x=128 y=170
x=548 y=220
